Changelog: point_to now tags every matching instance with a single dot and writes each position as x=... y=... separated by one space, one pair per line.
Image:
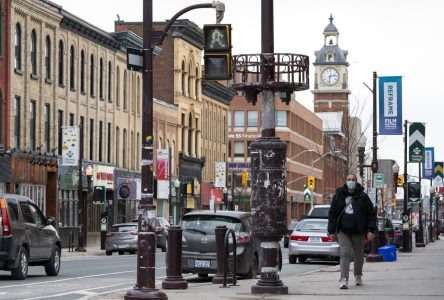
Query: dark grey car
x=27 y=237
x=199 y=243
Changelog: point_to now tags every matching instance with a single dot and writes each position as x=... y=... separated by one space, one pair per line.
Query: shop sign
x=103 y=176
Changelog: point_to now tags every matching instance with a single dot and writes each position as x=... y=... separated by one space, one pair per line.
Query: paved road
x=85 y=276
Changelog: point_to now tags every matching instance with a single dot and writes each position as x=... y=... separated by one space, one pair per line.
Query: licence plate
x=123 y=246
x=315 y=239
x=202 y=264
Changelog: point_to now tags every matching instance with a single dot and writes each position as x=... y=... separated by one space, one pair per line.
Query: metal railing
x=226 y=256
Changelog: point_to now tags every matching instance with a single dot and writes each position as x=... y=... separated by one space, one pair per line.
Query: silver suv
x=27 y=237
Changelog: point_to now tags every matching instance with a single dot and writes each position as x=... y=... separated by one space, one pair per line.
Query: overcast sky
x=391 y=37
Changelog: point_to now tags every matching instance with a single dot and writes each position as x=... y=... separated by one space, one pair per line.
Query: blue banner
x=390 y=105
x=429 y=162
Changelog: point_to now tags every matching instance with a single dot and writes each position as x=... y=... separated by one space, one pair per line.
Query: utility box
x=388 y=252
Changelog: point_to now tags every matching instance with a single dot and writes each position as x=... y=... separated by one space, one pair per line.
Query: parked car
x=290 y=228
x=386 y=234
x=27 y=237
x=310 y=239
x=199 y=242
x=319 y=211
x=123 y=237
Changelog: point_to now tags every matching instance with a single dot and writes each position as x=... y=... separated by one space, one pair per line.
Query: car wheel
x=202 y=275
x=252 y=273
x=21 y=271
x=292 y=259
x=302 y=259
x=109 y=253
x=121 y=252
x=52 y=267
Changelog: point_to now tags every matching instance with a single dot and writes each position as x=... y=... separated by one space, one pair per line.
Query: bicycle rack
x=226 y=256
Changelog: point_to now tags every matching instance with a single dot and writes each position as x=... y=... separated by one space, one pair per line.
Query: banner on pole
x=390 y=105
x=70 y=145
x=438 y=174
x=429 y=159
x=416 y=142
x=221 y=172
x=162 y=164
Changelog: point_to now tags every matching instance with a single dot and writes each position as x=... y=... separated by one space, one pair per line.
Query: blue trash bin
x=388 y=252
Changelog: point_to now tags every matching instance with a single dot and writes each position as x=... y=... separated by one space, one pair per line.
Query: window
x=26 y=212
x=110 y=81
x=190 y=81
x=118 y=87
x=91 y=76
x=82 y=71
x=138 y=156
x=33 y=53
x=60 y=127
x=32 y=124
x=183 y=78
x=190 y=133
x=100 y=140
x=48 y=58
x=71 y=119
x=82 y=132
x=91 y=139
x=252 y=118
x=138 y=95
x=47 y=129
x=108 y=140
x=239 y=118
x=132 y=150
x=196 y=84
x=117 y=145
x=281 y=118
x=239 y=149
x=71 y=68
x=17 y=122
x=184 y=130
x=125 y=104
x=101 y=78
x=229 y=150
x=36 y=214
x=229 y=121
x=18 y=47
x=61 y=59
x=124 y=140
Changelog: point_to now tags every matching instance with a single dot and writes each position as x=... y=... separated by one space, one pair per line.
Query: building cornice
x=217 y=91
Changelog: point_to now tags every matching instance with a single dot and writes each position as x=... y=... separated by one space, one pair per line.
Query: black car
x=290 y=228
x=27 y=237
x=199 y=242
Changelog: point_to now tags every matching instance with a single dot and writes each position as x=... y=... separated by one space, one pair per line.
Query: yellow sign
x=189 y=188
x=244 y=178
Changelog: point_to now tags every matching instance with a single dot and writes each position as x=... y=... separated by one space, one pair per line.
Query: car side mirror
x=51 y=221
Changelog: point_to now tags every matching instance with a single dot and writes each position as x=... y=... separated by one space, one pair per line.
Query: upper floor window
x=82 y=71
x=47 y=133
x=196 y=84
x=71 y=68
x=48 y=58
x=33 y=53
x=125 y=84
x=252 y=118
x=239 y=149
x=118 y=87
x=110 y=81
x=190 y=81
x=229 y=120
x=183 y=78
x=101 y=78
x=91 y=76
x=17 y=121
x=18 y=47
x=281 y=118
x=138 y=95
x=32 y=125
x=239 y=118
x=61 y=61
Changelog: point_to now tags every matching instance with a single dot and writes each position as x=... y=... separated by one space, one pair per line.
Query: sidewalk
x=417 y=275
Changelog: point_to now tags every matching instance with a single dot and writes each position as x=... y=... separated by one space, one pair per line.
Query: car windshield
x=123 y=228
x=292 y=225
x=207 y=224
x=312 y=225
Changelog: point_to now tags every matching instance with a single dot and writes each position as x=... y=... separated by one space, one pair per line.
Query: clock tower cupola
x=331 y=74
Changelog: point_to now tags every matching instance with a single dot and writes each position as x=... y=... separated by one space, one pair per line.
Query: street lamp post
x=437 y=221
x=419 y=240
x=430 y=228
x=82 y=235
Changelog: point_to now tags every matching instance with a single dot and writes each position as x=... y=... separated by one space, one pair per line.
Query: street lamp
x=395 y=169
x=225 y=195
x=176 y=186
x=89 y=173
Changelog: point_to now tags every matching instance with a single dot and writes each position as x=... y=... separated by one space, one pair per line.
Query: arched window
x=33 y=53
x=138 y=95
x=118 y=87
x=124 y=147
x=110 y=81
x=48 y=58
x=71 y=68
x=133 y=93
x=61 y=59
x=132 y=154
x=183 y=78
x=18 y=47
x=190 y=81
x=82 y=71
x=117 y=146
x=196 y=84
x=190 y=133
x=138 y=151
x=101 y=78
x=125 y=103
x=91 y=76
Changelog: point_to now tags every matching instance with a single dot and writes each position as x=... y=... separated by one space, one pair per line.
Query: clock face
x=330 y=76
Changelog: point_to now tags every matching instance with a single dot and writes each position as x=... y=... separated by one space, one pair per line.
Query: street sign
x=372 y=194
x=416 y=142
x=307 y=197
x=379 y=180
x=134 y=58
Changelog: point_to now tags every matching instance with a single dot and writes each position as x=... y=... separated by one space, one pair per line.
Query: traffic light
x=400 y=182
x=99 y=195
x=311 y=183
x=217 y=51
x=244 y=178
x=361 y=155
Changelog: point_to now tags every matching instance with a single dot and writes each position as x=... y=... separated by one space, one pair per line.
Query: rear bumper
x=124 y=246
x=8 y=253
x=331 y=250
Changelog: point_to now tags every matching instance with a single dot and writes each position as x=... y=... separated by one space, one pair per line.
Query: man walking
x=351 y=217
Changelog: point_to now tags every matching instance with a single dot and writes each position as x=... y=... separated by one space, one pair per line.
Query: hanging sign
x=70 y=145
x=429 y=159
x=390 y=105
x=416 y=142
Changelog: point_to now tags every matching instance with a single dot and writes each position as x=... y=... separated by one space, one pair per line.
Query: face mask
x=351 y=185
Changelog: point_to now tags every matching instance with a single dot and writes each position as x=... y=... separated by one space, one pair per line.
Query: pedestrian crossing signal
x=217 y=51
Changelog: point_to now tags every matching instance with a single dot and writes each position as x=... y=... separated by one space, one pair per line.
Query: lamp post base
x=419 y=245
x=80 y=243
x=374 y=258
x=144 y=293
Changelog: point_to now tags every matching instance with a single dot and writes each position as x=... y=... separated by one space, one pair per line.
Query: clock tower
x=331 y=75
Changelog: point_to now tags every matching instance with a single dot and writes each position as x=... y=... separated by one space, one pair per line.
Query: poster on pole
x=438 y=174
x=70 y=145
x=221 y=173
x=429 y=159
x=162 y=164
x=390 y=105
x=416 y=142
